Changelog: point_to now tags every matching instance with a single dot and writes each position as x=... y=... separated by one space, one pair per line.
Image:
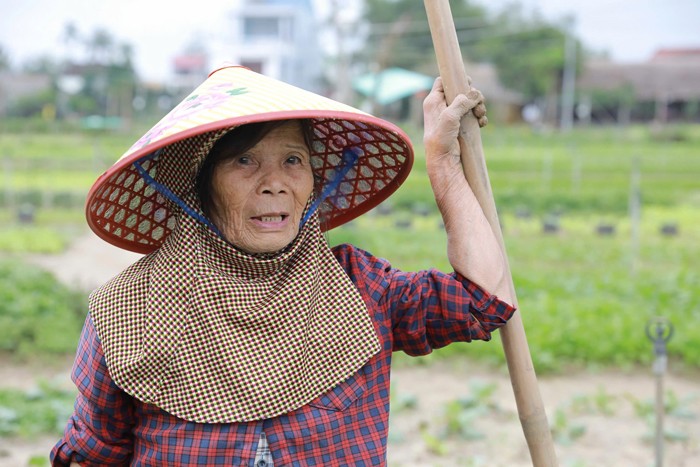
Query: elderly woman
x=242 y=338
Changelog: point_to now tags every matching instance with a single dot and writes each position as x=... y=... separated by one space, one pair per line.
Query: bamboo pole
x=522 y=374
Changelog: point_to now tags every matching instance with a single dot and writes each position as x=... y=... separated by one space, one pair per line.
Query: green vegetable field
x=602 y=228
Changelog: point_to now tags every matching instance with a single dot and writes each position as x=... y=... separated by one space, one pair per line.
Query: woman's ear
x=318 y=182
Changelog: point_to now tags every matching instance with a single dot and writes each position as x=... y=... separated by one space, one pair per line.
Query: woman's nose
x=272 y=181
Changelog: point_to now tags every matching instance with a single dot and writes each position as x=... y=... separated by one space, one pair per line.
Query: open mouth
x=271 y=219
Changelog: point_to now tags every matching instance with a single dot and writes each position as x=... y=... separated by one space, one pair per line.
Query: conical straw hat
x=131 y=212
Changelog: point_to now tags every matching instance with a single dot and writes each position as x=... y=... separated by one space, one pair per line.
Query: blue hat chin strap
x=165 y=191
x=349 y=159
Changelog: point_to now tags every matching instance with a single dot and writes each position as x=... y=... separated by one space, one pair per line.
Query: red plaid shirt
x=413 y=312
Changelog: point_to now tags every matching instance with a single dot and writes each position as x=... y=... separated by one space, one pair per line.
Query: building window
x=255 y=66
x=257 y=28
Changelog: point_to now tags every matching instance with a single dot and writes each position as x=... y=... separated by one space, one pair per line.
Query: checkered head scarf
x=205 y=331
x=212 y=334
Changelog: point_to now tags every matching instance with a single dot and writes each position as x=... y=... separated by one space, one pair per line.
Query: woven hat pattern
x=128 y=212
x=214 y=335
x=132 y=209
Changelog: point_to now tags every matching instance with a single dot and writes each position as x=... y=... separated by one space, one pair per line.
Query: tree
x=100 y=46
x=71 y=38
x=527 y=51
x=107 y=70
x=4 y=59
x=42 y=64
x=399 y=33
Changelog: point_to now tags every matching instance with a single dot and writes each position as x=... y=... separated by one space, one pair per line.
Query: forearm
x=472 y=247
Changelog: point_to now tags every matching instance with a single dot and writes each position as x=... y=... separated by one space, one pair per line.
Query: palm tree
x=100 y=46
x=71 y=38
x=4 y=59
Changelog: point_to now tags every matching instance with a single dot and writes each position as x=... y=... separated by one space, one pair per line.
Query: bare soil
x=593 y=413
x=596 y=415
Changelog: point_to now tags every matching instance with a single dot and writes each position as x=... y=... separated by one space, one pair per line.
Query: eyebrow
x=298 y=146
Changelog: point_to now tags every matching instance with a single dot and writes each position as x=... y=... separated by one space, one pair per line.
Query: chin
x=264 y=247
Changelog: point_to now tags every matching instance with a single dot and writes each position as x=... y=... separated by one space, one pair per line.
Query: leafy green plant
x=679 y=408
x=40 y=410
x=461 y=416
x=31 y=239
x=601 y=402
x=564 y=431
x=38 y=315
x=604 y=401
x=401 y=401
x=463 y=421
x=38 y=461
x=434 y=444
x=675 y=410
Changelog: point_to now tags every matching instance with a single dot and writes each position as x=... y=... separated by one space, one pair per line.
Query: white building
x=278 y=38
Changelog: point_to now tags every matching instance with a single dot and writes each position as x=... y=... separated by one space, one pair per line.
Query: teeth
x=271 y=218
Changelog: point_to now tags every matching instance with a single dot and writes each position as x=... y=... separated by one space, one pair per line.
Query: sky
x=629 y=30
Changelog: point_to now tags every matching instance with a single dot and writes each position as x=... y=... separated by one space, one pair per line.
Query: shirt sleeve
x=427 y=309
x=99 y=431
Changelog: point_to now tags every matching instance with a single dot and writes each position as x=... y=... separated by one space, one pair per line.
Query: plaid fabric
x=413 y=312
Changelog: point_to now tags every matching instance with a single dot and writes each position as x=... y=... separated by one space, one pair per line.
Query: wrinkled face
x=260 y=195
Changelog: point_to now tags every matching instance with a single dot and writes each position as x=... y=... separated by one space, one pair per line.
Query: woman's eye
x=243 y=160
x=294 y=160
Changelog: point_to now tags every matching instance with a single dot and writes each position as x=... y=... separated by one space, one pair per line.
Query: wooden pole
x=522 y=374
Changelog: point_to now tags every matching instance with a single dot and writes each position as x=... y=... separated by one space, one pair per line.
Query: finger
x=459 y=107
x=473 y=100
x=438 y=91
x=437 y=84
x=479 y=110
x=483 y=121
x=476 y=95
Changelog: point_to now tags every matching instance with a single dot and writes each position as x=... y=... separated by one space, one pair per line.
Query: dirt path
x=598 y=416
x=88 y=263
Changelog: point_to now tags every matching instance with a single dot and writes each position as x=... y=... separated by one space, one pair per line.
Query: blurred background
x=593 y=151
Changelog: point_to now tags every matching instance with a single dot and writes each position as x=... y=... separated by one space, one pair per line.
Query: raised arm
x=472 y=248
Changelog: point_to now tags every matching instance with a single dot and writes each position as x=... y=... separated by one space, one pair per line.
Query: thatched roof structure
x=662 y=78
x=485 y=78
x=14 y=86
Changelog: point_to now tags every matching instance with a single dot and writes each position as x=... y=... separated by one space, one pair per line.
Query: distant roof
x=17 y=85
x=485 y=78
x=672 y=80
x=190 y=62
x=391 y=84
x=688 y=53
x=306 y=4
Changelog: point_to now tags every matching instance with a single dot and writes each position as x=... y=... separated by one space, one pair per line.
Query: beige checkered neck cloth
x=214 y=335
